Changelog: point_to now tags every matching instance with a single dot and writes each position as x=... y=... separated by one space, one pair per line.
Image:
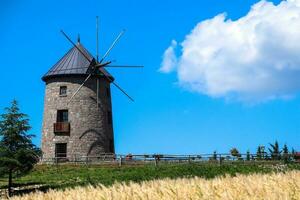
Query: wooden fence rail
x=119 y=159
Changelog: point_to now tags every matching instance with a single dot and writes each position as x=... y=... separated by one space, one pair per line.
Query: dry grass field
x=256 y=186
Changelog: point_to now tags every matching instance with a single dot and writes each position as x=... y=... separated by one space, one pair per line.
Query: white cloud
x=169 y=59
x=254 y=58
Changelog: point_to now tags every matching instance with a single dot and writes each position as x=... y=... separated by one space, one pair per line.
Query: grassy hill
x=64 y=176
x=255 y=186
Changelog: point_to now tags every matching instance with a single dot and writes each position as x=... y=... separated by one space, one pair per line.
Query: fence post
x=220 y=159
x=120 y=161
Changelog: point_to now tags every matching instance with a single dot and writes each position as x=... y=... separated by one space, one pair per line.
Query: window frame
x=63 y=88
x=62 y=144
x=60 y=117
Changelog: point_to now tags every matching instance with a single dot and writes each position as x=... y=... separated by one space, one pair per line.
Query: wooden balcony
x=61 y=127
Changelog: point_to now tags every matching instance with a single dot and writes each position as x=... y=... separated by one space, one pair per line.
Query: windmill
x=71 y=128
x=97 y=66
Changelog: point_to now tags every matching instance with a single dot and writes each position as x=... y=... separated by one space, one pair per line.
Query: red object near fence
x=297 y=156
x=129 y=157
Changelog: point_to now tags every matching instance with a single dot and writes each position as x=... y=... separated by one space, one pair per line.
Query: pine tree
x=259 y=153
x=286 y=156
x=248 y=158
x=214 y=155
x=274 y=151
x=263 y=152
x=17 y=152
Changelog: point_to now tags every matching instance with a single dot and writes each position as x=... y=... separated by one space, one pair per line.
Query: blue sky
x=165 y=117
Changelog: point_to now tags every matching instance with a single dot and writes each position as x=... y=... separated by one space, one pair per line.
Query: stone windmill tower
x=77 y=117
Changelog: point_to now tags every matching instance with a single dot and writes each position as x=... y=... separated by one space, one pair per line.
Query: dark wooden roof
x=73 y=63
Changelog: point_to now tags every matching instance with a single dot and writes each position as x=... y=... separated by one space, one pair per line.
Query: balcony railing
x=61 y=127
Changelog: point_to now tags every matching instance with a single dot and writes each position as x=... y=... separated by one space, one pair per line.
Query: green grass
x=62 y=176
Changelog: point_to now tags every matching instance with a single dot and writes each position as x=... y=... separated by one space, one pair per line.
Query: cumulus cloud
x=169 y=59
x=254 y=58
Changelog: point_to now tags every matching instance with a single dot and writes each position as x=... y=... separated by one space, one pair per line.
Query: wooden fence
x=132 y=159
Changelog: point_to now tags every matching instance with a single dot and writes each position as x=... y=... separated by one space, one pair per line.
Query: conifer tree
x=285 y=152
x=248 y=158
x=17 y=152
x=214 y=157
x=259 y=153
x=274 y=151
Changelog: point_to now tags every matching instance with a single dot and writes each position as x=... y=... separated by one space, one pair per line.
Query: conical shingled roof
x=73 y=63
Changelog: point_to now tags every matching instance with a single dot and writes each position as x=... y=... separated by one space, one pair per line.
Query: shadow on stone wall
x=100 y=104
x=101 y=140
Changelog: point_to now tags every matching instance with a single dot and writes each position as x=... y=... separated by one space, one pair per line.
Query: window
x=107 y=92
x=62 y=125
x=61 y=150
x=109 y=117
x=62 y=116
x=63 y=91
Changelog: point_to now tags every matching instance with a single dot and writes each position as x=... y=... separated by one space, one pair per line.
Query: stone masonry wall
x=90 y=132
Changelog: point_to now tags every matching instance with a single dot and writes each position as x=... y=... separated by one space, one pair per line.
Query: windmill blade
x=105 y=55
x=115 y=84
x=87 y=78
x=125 y=66
x=102 y=65
x=112 y=45
x=68 y=38
x=123 y=91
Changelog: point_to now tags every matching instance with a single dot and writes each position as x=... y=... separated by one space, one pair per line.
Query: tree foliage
x=235 y=152
x=214 y=156
x=248 y=156
x=260 y=153
x=17 y=152
x=285 y=154
x=275 y=151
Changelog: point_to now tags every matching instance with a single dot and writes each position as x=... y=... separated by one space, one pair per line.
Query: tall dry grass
x=257 y=186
